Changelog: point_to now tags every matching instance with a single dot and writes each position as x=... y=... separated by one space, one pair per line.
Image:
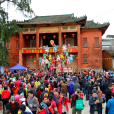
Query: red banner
x=50 y=50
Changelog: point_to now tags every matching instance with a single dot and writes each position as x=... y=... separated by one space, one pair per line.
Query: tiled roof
x=91 y=24
x=110 y=36
x=52 y=19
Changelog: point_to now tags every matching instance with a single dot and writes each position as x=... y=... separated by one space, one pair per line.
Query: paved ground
x=85 y=111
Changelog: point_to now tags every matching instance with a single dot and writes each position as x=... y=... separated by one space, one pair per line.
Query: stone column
x=79 y=46
x=37 y=46
x=60 y=39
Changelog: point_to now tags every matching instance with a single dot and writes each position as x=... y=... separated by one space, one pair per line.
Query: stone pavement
x=85 y=111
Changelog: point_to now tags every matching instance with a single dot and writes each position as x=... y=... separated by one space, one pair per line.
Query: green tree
x=7 y=28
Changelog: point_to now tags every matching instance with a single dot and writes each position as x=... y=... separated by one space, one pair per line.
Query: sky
x=97 y=10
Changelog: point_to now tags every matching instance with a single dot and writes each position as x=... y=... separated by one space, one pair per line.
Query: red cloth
x=42 y=112
x=50 y=109
x=17 y=83
x=19 y=102
x=12 y=104
x=112 y=90
x=51 y=89
x=5 y=94
x=53 y=103
x=60 y=105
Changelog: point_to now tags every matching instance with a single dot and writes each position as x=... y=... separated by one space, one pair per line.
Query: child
x=17 y=97
x=22 y=109
x=41 y=109
x=50 y=109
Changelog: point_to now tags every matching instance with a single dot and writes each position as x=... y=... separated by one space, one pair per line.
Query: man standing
x=95 y=101
x=110 y=104
x=32 y=102
x=70 y=88
x=76 y=86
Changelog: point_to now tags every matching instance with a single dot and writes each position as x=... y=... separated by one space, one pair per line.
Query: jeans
x=83 y=89
x=87 y=96
x=74 y=110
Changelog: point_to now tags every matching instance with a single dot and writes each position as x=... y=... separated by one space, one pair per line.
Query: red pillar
x=60 y=39
x=79 y=46
x=37 y=46
x=21 y=45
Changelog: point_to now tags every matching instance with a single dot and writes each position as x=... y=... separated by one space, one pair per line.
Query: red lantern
x=33 y=37
x=44 y=37
x=5 y=67
x=77 y=58
x=64 y=35
x=34 y=62
x=54 y=36
x=73 y=35
x=27 y=37
x=31 y=57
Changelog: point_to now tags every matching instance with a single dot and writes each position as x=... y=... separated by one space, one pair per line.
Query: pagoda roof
x=93 y=25
x=54 y=19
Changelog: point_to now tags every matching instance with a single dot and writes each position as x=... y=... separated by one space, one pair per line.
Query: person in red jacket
x=63 y=100
x=50 y=109
x=41 y=109
x=17 y=82
x=5 y=96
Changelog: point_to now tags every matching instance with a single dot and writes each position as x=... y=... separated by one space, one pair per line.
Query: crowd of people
x=44 y=93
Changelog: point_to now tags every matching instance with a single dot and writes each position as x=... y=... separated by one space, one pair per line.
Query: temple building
x=83 y=39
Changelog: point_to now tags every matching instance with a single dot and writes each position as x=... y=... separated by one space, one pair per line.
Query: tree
x=9 y=28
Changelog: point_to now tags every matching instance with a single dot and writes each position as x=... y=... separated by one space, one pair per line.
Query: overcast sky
x=97 y=10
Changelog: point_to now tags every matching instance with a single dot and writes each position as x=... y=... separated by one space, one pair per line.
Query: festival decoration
x=42 y=63
x=63 y=62
x=34 y=62
x=51 y=68
x=58 y=57
x=71 y=57
x=46 y=49
x=27 y=37
x=5 y=67
x=54 y=36
x=73 y=35
x=64 y=47
x=64 y=35
x=68 y=45
x=51 y=42
x=59 y=65
x=50 y=58
x=31 y=57
x=68 y=60
x=40 y=60
x=54 y=48
x=77 y=58
x=44 y=55
x=33 y=37
x=62 y=55
x=53 y=61
x=44 y=37
x=66 y=54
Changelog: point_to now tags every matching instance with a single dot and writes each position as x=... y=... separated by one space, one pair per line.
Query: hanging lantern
x=34 y=62
x=64 y=35
x=31 y=57
x=33 y=37
x=77 y=58
x=44 y=37
x=27 y=37
x=54 y=36
x=73 y=35
x=5 y=67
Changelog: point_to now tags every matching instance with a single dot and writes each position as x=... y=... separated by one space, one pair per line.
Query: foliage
x=9 y=28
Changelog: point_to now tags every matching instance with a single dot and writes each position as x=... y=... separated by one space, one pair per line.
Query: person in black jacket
x=13 y=106
x=108 y=95
x=21 y=90
x=90 y=89
x=104 y=86
x=82 y=82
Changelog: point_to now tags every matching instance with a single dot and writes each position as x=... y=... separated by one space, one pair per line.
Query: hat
x=78 y=90
x=17 y=97
x=12 y=98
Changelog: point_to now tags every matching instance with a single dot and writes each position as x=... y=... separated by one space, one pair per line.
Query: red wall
x=90 y=50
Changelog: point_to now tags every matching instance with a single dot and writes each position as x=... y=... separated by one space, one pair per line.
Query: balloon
x=51 y=42
x=40 y=60
x=54 y=48
x=49 y=63
x=63 y=62
x=66 y=54
x=46 y=49
x=44 y=55
x=59 y=65
x=62 y=56
x=64 y=47
x=53 y=61
x=50 y=58
x=71 y=57
x=66 y=61
x=58 y=58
